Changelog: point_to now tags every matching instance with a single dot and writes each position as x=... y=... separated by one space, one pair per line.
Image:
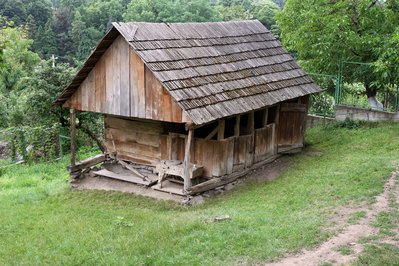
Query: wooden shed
x=199 y=102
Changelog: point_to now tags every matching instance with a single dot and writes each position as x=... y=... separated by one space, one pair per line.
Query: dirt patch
x=350 y=235
x=270 y=171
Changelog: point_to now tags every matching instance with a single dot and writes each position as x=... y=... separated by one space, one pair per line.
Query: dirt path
x=349 y=236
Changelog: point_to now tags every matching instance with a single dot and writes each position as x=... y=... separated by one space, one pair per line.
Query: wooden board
x=170 y=187
x=291 y=125
x=138 y=141
x=264 y=143
x=120 y=84
x=128 y=178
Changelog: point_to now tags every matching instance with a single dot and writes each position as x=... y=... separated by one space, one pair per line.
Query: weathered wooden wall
x=292 y=124
x=120 y=84
x=138 y=141
x=147 y=141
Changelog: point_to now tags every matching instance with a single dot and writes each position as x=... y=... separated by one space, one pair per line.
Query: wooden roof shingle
x=214 y=69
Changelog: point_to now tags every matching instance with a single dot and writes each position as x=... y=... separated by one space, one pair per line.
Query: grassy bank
x=42 y=222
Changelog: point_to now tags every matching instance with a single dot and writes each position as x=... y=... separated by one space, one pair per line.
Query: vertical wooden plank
x=84 y=96
x=166 y=106
x=137 y=86
x=277 y=128
x=73 y=137
x=100 y=85
x=164 y=147
x=92 y=91
x=116 y=81
x=187 y=180
x=221 y=129
x=207 y=156
x=148 y=93
x=109 y=72
x=157 y=108
x=230 y=156
x=124 y=78
x=265 y=117
x=237 y=126
x=169 y=147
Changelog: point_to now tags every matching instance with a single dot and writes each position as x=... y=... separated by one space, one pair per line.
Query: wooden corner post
x=73 y=138
x=187 y=179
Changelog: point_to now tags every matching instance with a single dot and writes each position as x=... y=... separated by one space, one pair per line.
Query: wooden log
x=131 y=169
x=87 y=163
x=73 y=137
x=220 y=181
x=187 y=180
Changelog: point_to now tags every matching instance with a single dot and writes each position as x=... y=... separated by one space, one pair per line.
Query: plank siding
x=137 y=86
x=120 y=84
x=136 y=141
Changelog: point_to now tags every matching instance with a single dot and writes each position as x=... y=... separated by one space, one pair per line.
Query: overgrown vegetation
x=45 y=223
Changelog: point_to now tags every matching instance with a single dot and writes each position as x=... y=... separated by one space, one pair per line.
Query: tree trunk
x=93 y=137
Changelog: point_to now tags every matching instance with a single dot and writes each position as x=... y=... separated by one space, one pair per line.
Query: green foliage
x=170 y=11
x=17 y=59
x=322 y=33
x=262 y=10
x=322 y=104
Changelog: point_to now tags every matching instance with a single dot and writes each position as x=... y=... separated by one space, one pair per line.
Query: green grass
x=345 y=249
x=356 y=217
x=43 y=222
x=379 y=255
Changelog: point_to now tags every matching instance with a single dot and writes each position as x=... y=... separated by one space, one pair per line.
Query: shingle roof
x=218 y=69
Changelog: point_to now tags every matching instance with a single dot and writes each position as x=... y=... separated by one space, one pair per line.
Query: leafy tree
x=322 y=33
x=262 y=10
x=61 y=25
x=18 y=63
x=46 y=42
x=387 y=66
x=170 y=11
x=13 y=10
x=39 y=9
x=41 y=89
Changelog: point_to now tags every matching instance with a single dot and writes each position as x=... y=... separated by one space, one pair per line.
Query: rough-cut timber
x=205 y=70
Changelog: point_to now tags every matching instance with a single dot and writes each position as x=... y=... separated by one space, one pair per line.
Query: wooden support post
x=250 y=123
x=277 y=127
x=73 y=138
x=187 y=179
x=265 y=117
x=221 y=129
x=237 y=126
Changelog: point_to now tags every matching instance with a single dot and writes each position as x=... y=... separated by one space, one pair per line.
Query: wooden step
x=128 y=178
x=169 y=187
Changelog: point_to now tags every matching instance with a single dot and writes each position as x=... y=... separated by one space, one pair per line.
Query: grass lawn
x=43 y=222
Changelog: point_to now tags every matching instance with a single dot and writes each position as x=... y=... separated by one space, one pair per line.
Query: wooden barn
x=193 y=104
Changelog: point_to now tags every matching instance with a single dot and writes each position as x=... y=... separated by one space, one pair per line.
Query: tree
x=13 y=10
x=39 y=9
x=17 y=63
x=40 y=89
x=170 y=11
x=262 y=10
x=322 y=33
x=46 y=42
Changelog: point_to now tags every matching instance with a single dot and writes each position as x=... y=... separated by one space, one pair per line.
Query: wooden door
x=291 y=127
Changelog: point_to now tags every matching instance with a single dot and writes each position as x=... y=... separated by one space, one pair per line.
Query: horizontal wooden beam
x=220 y=181
x=87 y=163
